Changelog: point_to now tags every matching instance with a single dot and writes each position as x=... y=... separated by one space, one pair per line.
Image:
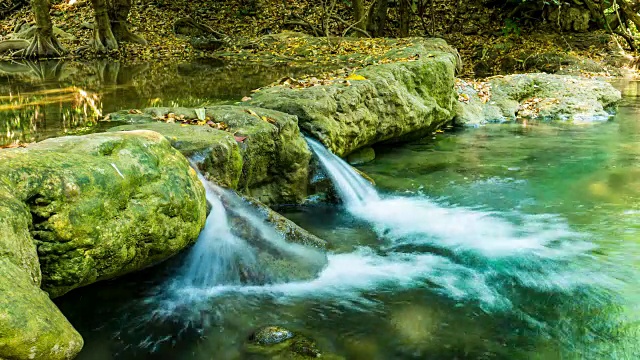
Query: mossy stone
x=398 y=101
x=103 y=205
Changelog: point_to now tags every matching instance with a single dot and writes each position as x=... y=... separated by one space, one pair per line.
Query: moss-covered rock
x=216 y=152
x=104 y=205
x=277 y=343
x=539 y=96
x=268 y=149
x=270 y=335
x=31 y=327
x=361 y=156
x=399 y=100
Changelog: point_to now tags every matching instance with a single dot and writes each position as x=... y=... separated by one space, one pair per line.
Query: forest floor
x=487 y=47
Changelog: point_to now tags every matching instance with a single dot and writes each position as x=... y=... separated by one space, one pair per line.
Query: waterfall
x=219 y=257
x=411 y=222
x=239 y=247
x=353 y=189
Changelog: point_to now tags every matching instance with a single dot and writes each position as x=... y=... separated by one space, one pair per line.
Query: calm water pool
x=52 y=98
x=568 y=195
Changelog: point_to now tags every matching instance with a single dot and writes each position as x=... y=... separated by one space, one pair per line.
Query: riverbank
x=486 y=47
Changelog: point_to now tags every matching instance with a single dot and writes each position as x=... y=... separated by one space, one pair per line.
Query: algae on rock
x=269 y=161
x=399 y=100
x=215 y=152
x=104 y=205
x=31 y=326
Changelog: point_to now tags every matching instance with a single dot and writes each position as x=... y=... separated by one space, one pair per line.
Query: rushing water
x=504 y=242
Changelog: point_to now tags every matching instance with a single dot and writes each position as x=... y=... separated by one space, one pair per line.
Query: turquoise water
x=503 y=242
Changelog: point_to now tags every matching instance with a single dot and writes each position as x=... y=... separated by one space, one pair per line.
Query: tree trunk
x=43 y=43
x=118 y=15
x=378 y=18
x=405 y=16
x=359 y=15
x=43 y=20
x=103 y=39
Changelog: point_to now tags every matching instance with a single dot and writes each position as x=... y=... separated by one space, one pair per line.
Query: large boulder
x=31 y=326
x=535 y=96
x=261 y=153
x=103 y=205
x=408 y=95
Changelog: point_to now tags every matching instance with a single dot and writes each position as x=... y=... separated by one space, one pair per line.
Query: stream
x=511 y=241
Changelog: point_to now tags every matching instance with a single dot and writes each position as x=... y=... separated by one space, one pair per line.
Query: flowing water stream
x=504 y=242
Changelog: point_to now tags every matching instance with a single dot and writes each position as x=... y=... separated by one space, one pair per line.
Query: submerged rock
x=270 y=335
x=388 y=102
x=305 y=347
x=361 y=156
x=537 y=96
x=277 y=343
x=103 y=205
x=261 y=154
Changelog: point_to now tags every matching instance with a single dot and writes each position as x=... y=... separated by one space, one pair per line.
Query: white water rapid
x=463 y=254
x=218 y=254
x=474 y=252
x=418 y=220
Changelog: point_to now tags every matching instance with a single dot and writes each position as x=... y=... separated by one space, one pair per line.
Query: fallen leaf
x=356 y=77
x=252 y=113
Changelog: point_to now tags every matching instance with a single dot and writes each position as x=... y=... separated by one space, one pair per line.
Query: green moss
x=216 y=152
x=104 y=205
x=31 y=327
x=271 y=162
x=397 y=101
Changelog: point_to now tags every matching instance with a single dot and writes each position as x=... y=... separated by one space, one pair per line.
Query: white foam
x=419 y=220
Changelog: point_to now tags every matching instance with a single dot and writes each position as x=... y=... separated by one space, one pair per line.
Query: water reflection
x=44 y=99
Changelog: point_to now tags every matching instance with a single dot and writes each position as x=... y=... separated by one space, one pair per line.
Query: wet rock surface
x=545 y=97
x=104 y=205
x=277 y=343
x=285 y=251
x=80 y=210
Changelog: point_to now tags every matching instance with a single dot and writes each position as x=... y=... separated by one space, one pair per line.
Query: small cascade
x=412 y=223
x=238 y=247
x=352 y=188
x=219 y=257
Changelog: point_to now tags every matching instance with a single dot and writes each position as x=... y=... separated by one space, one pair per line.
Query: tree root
x=123 y=34
x=44 y=46
x=13 y=45
x=37 y=46
x=104 y=41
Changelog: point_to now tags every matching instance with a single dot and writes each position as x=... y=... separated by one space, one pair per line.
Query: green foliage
x=511 y=27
